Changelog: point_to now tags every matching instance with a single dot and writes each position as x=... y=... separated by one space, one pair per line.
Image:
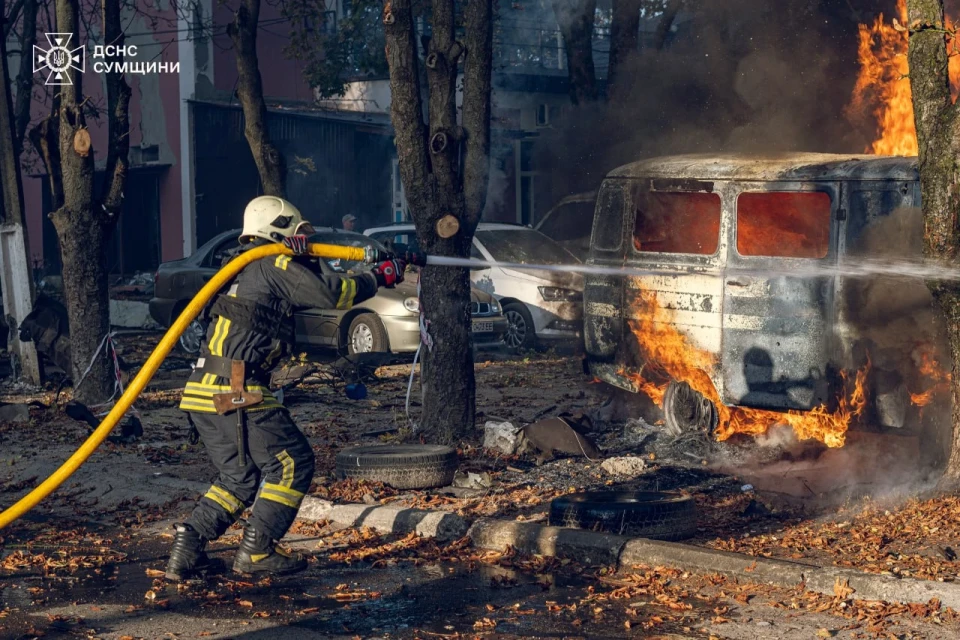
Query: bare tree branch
x=24 y=81
x=478 y=19
x=11 y=19
x=118 y=114
x=670 y=12
x=270 y=162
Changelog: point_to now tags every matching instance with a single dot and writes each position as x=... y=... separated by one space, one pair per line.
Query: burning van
x=732 y=353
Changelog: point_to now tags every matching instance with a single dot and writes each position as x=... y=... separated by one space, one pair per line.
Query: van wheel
x=520 y=333
x=366 y=335
x=686 y=410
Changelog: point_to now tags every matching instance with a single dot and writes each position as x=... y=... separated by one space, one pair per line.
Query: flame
x=669 y=354
x=883 y=86
x=928 y=366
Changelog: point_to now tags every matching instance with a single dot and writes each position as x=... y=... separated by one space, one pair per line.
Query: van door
x=674 y=321
x=776 y=327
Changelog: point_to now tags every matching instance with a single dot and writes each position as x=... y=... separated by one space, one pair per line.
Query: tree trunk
x=24 y=82
x=436 y=185
x=938 y=135
x=270 y=162
x=82 y=235
x=576 y=26
x=624 y=35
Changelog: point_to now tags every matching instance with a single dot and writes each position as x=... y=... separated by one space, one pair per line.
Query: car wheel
x=520 y=332
x=192 y=338
x=366 y=335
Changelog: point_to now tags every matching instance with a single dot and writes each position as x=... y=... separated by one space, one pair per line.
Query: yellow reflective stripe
x=348 y=291
x=288 y=468
x=343 y=294
x=227 y=497
x=208 y=390
x=280 y=498
x=217 y=330
x=287 y=491
x=282 y=262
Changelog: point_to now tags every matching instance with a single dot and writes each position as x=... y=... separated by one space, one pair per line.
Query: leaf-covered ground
x=104 y=534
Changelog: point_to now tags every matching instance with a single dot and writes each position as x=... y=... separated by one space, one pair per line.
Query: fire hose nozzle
x=373 y=255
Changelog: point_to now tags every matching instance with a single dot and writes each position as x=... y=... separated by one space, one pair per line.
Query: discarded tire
x=642 y=514
x=399 y=466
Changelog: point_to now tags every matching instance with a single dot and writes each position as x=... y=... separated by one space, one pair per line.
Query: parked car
x=570 y=221
x=540 y=305
x=387 y=322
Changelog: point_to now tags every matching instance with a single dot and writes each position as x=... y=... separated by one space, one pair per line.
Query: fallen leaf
x=842 y=589
x=155 y=573
x=245 y=603
x=825 y=633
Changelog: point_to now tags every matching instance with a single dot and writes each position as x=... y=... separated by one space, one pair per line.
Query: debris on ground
x=564 y=434
x=626 y=466
x=14 y=412
x=502 y=437
x=472 y=480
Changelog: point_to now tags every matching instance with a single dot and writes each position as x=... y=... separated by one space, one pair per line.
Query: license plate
x=482 y=327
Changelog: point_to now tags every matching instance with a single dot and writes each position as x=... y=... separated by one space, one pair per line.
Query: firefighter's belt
x=223 y=367
x=253 y=316
x=237 y=398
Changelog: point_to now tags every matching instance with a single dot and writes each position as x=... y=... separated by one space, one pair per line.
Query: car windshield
x=524 y=246
x=570 y=222
x=349 y=240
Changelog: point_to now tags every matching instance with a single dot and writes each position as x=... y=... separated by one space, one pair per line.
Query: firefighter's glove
x=297 y=244
x=390 y=273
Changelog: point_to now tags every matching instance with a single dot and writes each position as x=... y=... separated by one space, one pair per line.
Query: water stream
x=902 y=269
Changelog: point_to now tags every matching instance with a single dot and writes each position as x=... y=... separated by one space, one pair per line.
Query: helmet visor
x=304 y=229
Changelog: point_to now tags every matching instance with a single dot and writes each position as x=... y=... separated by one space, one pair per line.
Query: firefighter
x=246 y=431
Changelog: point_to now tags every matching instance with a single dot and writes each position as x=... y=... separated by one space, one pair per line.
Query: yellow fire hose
x=227 y=273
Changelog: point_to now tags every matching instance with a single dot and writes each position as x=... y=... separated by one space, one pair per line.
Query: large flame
x=883 y=87
x=669 y=354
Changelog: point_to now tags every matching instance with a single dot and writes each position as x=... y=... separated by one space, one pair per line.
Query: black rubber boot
x=187 y=555
x=259 y=554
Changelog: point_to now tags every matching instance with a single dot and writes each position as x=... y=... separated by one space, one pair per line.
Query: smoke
x=894 y=315
x=741 y=75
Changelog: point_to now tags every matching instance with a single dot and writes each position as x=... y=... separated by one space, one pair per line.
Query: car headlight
x=412 y=305
x=556 y=294
x=494 y=306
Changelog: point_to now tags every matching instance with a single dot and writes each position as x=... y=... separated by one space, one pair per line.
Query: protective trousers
x=276 y=453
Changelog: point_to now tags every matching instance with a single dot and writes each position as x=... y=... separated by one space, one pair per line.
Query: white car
x=541 y=306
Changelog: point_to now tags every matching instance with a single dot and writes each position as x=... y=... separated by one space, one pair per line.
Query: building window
x=526 y=182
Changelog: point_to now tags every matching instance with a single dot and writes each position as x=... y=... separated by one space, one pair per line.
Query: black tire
x=191 y=340
x=399 y=466
x=686 y=410
x=367 y=335
x=520 y=329
x=643 y=514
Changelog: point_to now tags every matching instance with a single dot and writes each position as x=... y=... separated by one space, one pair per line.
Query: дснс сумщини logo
x=58 y=58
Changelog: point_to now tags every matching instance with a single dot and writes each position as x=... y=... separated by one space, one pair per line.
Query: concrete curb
x=604 y=548
x=386 y=519
x=593 y=547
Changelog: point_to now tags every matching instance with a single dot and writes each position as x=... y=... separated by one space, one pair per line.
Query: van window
x=608 y=219
x=783 y=224
x=686 y=222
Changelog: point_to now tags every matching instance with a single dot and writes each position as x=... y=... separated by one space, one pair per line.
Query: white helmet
x=272 y=218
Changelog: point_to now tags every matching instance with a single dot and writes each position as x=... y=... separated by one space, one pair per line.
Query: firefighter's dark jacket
x=262 y=300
